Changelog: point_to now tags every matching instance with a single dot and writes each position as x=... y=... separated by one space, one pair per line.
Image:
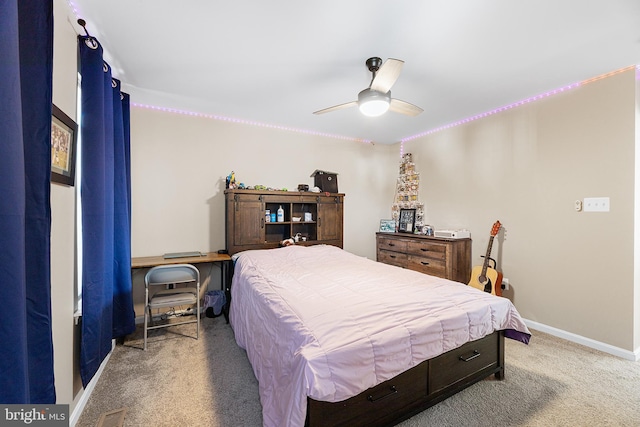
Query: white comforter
x=318 y=321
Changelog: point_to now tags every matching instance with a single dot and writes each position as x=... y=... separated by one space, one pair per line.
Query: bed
x=338 y=339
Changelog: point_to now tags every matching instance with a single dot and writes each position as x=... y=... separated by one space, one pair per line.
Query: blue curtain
x=107 y=303
x=26 y=64
x=123 y=312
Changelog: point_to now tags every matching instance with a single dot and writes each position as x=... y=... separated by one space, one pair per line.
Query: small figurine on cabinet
x=231 y=180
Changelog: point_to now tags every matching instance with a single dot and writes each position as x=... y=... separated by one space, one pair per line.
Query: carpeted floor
x=209 y=382
x=179 y=381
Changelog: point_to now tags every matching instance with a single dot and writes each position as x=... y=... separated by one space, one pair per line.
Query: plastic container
x=280 y=214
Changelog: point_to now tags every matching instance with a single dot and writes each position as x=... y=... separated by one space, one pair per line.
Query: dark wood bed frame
x=414 y=390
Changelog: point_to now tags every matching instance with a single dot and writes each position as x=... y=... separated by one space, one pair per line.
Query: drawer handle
x=391 y=244
x=392 y=390
x=473 y=355
x=424 y=249
x=392 y=256
x=424 y=263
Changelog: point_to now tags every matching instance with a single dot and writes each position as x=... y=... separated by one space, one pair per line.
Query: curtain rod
x=83 y=24
x=90 y=39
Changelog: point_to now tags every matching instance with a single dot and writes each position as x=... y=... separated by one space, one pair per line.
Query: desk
x=152 y=261
x=213 y=257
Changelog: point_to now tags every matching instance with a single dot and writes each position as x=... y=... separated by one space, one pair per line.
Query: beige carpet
x=209 y=382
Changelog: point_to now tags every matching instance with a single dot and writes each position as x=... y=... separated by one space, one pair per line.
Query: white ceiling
x=277 y=62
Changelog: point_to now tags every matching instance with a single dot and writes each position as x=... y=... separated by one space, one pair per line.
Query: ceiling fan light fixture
x=373 y=103
x=376 y=99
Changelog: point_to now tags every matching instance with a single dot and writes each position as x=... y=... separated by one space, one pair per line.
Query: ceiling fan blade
x=387 y=75
x=337 y=107
x=403 y=107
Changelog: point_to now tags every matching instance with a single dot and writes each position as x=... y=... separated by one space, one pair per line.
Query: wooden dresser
x=447 y=258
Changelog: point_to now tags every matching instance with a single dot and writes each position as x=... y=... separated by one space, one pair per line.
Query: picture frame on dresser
x=387 y=226
x=407 y=221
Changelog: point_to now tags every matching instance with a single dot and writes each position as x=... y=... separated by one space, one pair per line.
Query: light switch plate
x=596 y=204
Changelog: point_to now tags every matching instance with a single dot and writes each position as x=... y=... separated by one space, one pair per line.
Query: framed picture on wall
x=407 y=220
x=63 y=147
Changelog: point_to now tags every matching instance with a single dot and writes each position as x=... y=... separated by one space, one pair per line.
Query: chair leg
x=198 y=316
x=147 y=319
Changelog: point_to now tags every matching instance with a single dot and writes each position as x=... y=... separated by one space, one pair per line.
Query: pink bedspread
x=321 y=322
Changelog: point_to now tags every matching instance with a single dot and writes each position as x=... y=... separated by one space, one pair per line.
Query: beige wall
x=63 y=217
x=569 y=270
x=179 y=164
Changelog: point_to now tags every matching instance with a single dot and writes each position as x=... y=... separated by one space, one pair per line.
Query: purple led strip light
x=492 y=112
x=74 y=8
x=515 y=104
x=249 y=122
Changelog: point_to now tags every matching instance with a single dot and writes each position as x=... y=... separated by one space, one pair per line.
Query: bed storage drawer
x=400 y=393
x=461 y=364
x=416 y=389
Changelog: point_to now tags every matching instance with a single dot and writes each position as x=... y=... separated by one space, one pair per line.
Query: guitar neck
x=485 y=265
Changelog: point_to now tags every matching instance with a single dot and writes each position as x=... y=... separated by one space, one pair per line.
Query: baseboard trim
x=86 y=393
x=587 y=342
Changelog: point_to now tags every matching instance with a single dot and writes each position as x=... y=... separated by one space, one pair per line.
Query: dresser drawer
x=463 y=362
x=427 y=249
x=392 y=244
x=405 y=390
x=392 y=258
x=434 y=267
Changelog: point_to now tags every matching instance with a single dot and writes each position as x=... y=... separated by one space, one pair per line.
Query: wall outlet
x=505 y=284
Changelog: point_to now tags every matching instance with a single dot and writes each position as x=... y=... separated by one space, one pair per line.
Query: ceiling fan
x=376 y=99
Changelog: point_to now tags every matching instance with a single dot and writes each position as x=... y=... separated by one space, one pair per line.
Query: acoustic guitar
x=484 y=277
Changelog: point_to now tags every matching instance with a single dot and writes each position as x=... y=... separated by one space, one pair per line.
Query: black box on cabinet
x=326 y=181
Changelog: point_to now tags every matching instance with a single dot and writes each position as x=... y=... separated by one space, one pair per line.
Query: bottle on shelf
x=280 y=214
